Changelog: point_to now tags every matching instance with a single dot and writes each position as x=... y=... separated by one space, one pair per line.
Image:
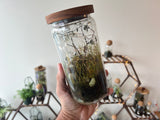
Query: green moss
x=85 y=66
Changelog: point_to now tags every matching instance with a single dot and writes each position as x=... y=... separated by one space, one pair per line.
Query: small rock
x=92 y=82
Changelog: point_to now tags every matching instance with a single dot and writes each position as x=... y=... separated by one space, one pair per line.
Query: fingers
x=61 y=84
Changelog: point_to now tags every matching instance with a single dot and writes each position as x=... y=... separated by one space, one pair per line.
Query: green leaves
x=27 y=92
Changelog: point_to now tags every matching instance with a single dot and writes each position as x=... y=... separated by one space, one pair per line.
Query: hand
x=71 y=110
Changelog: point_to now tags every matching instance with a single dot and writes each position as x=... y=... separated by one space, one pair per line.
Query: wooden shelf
x=34 y=103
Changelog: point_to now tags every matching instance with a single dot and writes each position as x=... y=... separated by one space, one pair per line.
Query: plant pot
x=28 y=101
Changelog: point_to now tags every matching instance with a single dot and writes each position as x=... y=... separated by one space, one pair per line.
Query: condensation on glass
x=75 y=36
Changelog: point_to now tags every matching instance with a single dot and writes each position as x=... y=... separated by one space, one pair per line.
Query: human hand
x=71 y=110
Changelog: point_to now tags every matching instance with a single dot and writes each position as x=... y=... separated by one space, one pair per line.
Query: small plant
x=3 y=109
x=27 y=93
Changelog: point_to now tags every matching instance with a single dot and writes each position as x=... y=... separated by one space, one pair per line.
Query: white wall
x=25 y=39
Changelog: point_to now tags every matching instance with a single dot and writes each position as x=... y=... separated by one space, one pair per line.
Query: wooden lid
x=140 y=103
x=109 y=42
x=117 y=80
x=69 y=13
x=39 y=86
x=114 y=117
x=142 y=90
x=40 y=68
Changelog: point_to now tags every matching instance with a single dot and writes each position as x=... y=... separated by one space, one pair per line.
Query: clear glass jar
x=117 y=94
x=77 y=42
x=108 y=49
x=141 y=95
x=35 y=114
x=41 y=83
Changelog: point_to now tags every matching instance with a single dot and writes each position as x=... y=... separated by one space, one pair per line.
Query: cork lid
x=114 y=117
x=142 y=90
x=140 y=103
x=69 y=13
x=40 y=68
x=149 y=103
x=109 y=42
x=117 y=80
x=39 y=86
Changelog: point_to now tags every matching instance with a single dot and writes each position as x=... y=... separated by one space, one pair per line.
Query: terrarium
x=108 y=49
x=76 y=39
x=41 y=77
x=35 y=114
x=3 y=108
x=117 y=93
x=139 y=110
x=41 y=84
x=141 y=95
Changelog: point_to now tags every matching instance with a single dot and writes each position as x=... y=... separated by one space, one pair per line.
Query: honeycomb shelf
x=130 y=110
x=119 y=59
x=48 y=97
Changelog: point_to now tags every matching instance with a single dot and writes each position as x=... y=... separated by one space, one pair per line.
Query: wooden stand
x=130 y=110
x=119 y=59
x=34 y=103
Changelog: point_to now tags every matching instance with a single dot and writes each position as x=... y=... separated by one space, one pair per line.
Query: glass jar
x=108 y=50
x=75 y=36
x=41 y=84
x=35 y=114
x=3 y=108
x=139 y=110
x=117 y=94
x=141 y=95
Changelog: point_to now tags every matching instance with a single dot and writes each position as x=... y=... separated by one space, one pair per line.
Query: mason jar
x=141 y=94
x=76 y=39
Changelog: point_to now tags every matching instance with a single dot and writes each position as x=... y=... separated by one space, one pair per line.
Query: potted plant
x=27 y=93
x=3 y=109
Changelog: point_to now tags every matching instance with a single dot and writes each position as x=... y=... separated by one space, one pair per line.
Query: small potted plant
x=27 y=93
x=3 y=109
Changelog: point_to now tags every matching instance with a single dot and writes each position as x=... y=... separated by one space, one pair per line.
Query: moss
x=87 y=74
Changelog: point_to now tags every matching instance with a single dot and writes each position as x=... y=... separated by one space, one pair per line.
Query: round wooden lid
x=69 y=13
x=142 y=90
x=39 y=86
x=117 y=80
x=109 y=42
x=40 y=68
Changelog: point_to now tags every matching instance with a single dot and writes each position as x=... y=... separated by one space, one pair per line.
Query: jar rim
x=69 y=13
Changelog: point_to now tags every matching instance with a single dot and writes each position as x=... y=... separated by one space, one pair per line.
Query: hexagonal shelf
x=129 y=78
x=45 y=103
x=130 y=110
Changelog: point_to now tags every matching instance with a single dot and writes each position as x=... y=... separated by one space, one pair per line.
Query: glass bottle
x=40 y=92
x=3 y=108
x=139 y=110
x=117 y=95
x=35 y=114
x=108 y=49
x=76 y=39
x=141 y=95
x=41 y=77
